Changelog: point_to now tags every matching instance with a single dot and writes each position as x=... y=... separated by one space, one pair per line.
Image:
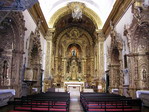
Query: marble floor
x=75 y=105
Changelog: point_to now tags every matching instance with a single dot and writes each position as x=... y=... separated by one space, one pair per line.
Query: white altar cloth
x=140 y=92
x=7 y=91
x=88 y=90
x=68 y=85
x=74 y=83
x=115 y=91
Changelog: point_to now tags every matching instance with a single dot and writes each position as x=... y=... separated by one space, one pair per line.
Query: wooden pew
x=43 y=102
x=95 y=102
x=115 y=105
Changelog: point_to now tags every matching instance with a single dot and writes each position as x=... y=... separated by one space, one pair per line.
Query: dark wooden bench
x=114 y=105
x=109 y=103
x=43 y=102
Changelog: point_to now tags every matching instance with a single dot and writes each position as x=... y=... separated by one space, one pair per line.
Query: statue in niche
x=126 y=77
x=5 y=69
x=73 y=52
x=144 y=74
x=74 y=70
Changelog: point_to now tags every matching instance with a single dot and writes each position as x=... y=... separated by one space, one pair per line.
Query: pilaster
x=49 y=37
x=64 y=66
x=100 y=38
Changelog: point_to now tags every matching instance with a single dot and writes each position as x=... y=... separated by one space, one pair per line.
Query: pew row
x=109 y=103
x=43 y=102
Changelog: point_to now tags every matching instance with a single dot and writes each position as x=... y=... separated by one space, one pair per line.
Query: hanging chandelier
x=77 y=9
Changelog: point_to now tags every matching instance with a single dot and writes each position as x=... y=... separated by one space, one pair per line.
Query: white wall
x=119 y=27
x=31 y=26
x=107 y=45
x=125 y=20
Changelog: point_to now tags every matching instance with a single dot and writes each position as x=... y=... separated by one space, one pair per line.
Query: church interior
x=63 y=48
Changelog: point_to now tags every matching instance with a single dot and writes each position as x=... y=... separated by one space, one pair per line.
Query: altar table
x=68 y=85
x=144 y=96
x=7 y=91
x=6 y=95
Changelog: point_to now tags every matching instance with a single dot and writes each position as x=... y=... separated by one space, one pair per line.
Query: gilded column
x=83 y=67
x=92 y=67
x=83 y=61
x=64 y=67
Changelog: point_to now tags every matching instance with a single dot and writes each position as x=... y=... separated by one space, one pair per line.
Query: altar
x=144 y=96
x=77 y=85
x=6 y=95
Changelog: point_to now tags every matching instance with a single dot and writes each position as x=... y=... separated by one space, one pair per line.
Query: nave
x=101 y=45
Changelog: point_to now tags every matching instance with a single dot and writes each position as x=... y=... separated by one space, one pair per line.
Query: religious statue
x=144 y=74
x=74 y=73
x=74 y=70
x=73 y=52
x=5 y=69
x=126 y=77
x=3 y=72
x=47 y=84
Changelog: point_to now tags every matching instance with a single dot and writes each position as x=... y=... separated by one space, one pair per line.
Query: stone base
x=125 y=90
x=145 y=99
x=4 y=98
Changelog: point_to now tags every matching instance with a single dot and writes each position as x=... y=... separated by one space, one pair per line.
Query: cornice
x=117 y=12
x=37 y=14
x=100 y=36
x=50 y=34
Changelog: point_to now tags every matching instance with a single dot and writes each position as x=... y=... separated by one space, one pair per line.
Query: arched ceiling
x=66 y=11
x=67 y=21
x=96 y=10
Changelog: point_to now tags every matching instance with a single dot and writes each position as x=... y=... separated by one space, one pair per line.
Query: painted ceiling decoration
x=93 y=9
x=68 y=21
x=17 y=5
x=64 y=11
